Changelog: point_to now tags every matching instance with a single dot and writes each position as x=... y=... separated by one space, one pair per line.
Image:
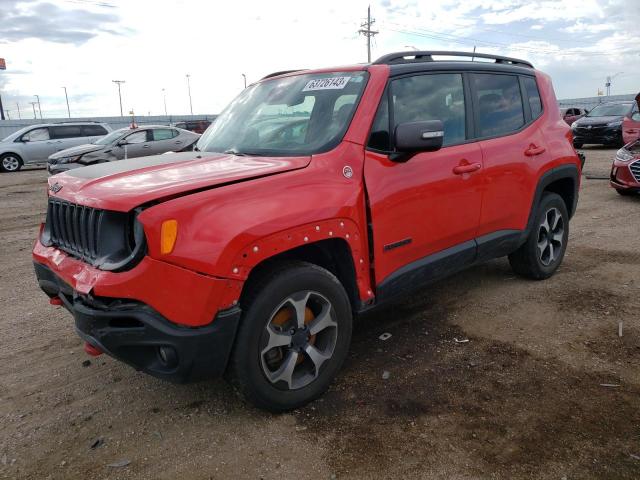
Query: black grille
x=75 y=228
x=635 y=170
x=104 y=238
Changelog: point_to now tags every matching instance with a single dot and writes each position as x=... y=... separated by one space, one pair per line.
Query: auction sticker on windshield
x=333 y=83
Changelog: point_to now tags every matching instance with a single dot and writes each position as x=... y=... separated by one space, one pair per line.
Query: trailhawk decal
x=333 y=83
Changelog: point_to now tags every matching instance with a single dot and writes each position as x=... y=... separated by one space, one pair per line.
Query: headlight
x=623 y=155
x=617 y=123
x=71 y=159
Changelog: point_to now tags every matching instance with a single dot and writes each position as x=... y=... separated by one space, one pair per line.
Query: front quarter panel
x=226 y=231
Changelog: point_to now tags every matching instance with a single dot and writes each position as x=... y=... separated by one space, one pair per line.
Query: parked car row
x=34 y=144
x=68 y=145
x=122 y=144
x=603 y=124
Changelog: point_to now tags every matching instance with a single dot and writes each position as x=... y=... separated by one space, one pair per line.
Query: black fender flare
x=569 y=171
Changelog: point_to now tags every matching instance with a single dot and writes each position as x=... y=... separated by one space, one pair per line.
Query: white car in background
x=35 y=143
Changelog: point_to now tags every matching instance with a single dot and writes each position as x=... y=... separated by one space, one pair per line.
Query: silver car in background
x=122 y=144
x=34 y=144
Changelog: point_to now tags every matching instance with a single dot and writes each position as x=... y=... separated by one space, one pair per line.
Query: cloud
x=29 y=19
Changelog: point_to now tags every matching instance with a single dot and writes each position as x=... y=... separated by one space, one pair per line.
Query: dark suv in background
x=195 y=126
x=602 y=125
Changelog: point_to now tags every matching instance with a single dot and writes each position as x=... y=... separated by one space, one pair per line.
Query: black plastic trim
x=132 y=332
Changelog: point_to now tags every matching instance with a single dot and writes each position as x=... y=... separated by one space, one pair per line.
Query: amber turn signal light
x=168 y=236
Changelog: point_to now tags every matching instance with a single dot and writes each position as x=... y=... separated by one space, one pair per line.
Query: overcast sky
x=85 y=44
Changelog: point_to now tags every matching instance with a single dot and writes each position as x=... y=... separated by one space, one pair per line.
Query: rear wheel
x=541 y=255
x=10 y=162
x=293 y=337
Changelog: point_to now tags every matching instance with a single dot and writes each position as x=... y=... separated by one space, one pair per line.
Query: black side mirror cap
x=413 y=137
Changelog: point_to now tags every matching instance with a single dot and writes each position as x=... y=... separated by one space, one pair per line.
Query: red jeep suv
x=316 y=195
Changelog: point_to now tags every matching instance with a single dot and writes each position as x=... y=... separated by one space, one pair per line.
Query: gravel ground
x=523 y=398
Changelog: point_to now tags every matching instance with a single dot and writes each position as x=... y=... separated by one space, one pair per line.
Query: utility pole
x=33 y=104
x=245 y=80
x=189 y=89
x=119 y=82
x=39 y=109
x=2 y=110
x=19 y=116
x=608 y=84
x=67 y=97
x=367 y=32
x=8 y=116
x=164 y=96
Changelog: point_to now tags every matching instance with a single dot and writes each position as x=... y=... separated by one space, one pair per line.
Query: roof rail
x=427 y=56
x=73 y=121
x=282 y=72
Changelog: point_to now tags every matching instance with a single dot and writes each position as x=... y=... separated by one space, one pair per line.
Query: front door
x=38 y=145
x=137 y=144
x=425 y=211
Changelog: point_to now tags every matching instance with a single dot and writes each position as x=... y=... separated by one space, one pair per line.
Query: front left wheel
x=293 y=337
x=10 y=162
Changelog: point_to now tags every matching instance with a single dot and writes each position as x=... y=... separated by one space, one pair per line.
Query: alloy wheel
x=298 y=339
x=10 y=163
x=550 y=237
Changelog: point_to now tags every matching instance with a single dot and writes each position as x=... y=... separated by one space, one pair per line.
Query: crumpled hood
x=78 y=150
x=126 y=184
x=598 y=120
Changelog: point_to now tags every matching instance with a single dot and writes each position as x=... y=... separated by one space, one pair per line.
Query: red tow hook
x=91 y=350
x=57 y=301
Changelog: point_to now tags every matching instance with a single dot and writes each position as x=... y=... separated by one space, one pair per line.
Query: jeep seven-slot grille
x=75 y=228
x=635 y=170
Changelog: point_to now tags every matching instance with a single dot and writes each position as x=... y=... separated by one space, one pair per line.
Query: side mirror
x=636 y=117
x=413 y=137
x=121 y=143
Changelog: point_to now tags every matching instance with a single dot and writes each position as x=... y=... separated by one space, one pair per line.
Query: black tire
x=265 y=300
x=533 y=261
x=577 y=145
x=10 y=162
x=625 y=193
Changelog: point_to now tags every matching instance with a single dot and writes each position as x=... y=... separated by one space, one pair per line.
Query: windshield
x=18 y=133
x=614 y=109
x=298 y=115
x=112 y=137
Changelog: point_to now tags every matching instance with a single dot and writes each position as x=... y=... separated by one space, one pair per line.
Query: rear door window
x=164 y=133
x=533 y=95
x=93 y=130
x=499 y=104
x=66 y=131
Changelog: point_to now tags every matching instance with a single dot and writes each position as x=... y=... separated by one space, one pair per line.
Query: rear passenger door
x=93 y=132
x=66 y=136
x=425 y=211
x=507 y=111
x=164 y=140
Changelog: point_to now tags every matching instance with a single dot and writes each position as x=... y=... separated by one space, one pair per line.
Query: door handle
x=469 y=168
x=533 y=150
x=177 y=142
x=145 y=146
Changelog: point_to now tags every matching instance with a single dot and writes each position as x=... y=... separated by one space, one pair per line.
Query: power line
x=473 y=41
x=367 y=32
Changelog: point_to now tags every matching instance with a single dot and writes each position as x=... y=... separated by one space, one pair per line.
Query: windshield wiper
x=233 y=151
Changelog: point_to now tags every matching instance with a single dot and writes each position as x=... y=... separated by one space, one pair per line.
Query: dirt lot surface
x=525 y=398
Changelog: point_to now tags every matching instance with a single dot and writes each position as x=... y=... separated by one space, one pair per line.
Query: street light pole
x=245 y=80
x=19 y=116
x=33 y=104
x=164 y=96
x=67 y=97
x=119 y=82
x=39 y=108
x=189 y=89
